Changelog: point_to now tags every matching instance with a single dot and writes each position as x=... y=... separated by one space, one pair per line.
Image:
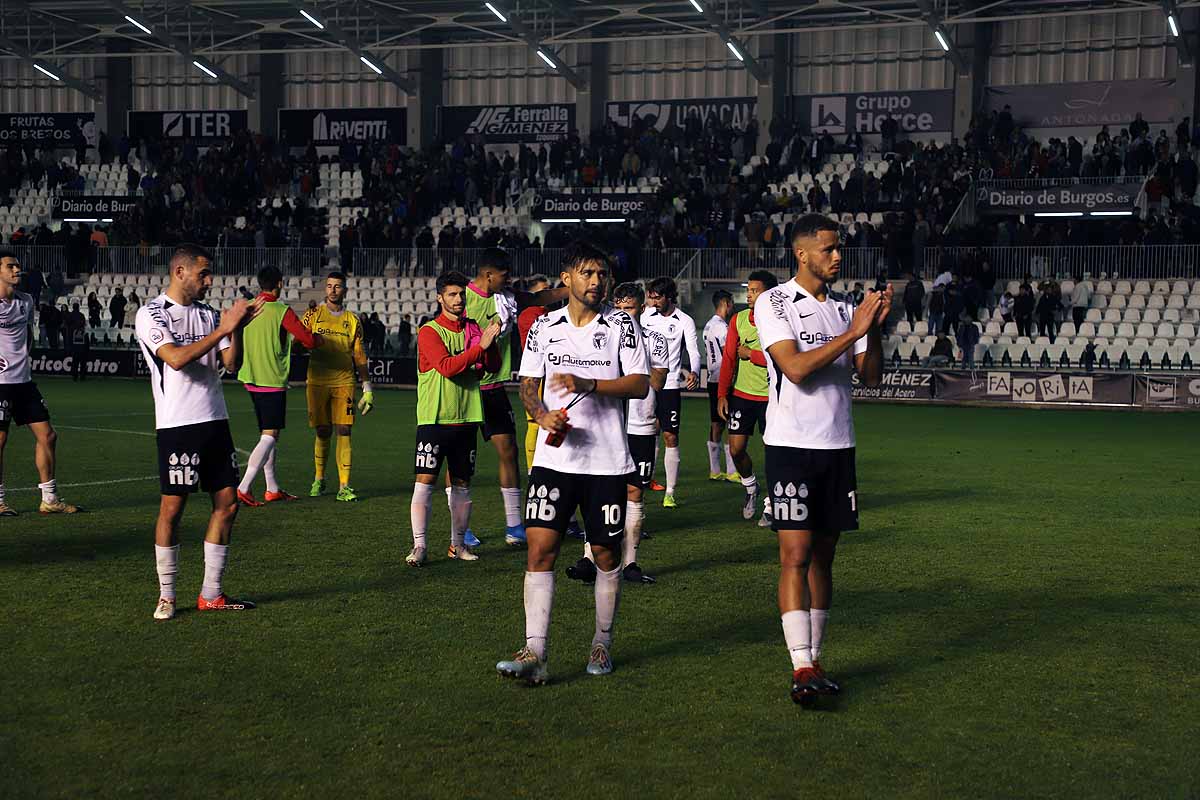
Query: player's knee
x=343 y=430
x=49 y=437
x=795 y=558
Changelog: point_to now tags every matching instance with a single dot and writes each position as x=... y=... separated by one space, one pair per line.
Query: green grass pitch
x=1018 y=617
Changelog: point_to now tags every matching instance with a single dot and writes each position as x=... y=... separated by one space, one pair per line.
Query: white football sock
x=512 y=506
x=269 y=470
x=819 y=617
x=49 y=491
x=258 y=457
x=797 y=634
x=671 y=461
x=750 y=483
x=587 y=551
x=730 y=467
x=460 y=513
x=608 y=596
x=418 y=510
x=1 y=493
x=539 y=601
x=714 y=457
x=633 y=531
x=214 y=568
x=166 y=559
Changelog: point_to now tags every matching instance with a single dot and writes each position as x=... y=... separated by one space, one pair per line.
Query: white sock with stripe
x=214 y=569
x=418 y=510
x=166 y=561
x=798 y=635
x=714 y=457
x=539 y=602
x=671 y=461
x=258 y=458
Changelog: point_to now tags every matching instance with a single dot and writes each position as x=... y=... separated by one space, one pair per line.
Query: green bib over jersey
x=751 y=378
x=483 y=311
x=266 y=348
x=448 y=401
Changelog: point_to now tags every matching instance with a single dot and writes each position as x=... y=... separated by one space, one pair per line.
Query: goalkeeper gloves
x=367 y=401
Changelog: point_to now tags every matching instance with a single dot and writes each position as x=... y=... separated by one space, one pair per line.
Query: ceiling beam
x=49 y=69
x=542 y=52
x=736 y=46
x=1182 y=49
x=373 y=62
x=206 y=65
x=942 y=34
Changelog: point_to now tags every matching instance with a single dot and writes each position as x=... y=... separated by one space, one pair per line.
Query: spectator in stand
x=1023 y=311
x=405 y=337
x=131 y=309
x=1081 y=299
x=78 y=343
x=33 y=282
x=937 y=308
x=116 y=308
x=1006 y=307
x=914 y=300
x=1049 y=303
x=968 y=337
x=956 y=304
x=50 y=321
x=942 y=353
x=95 y=310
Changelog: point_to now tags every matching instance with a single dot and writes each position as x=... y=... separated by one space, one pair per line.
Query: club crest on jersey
x=842 y=312
x=156 y=336
x=671 y=329
x=599 y=339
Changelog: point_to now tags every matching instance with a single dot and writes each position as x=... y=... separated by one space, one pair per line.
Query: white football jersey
x=608 y=347
x=815 y=414
x=15 y=316
x=193 y=394
x=642 y=420
x=715 y=331
x=679 y=330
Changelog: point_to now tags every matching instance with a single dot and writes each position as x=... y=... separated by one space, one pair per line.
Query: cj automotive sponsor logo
x=568 y=360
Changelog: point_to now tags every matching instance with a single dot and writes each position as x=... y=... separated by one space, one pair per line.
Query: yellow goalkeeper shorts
x=330 y=405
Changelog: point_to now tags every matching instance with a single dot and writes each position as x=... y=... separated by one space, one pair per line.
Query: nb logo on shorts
x=538 y=507
x=787 y=502
x=427 y=455
x=180 y=471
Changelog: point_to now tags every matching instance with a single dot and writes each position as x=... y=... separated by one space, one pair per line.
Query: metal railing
x=1137 y=262
x=1039 y=183
x=1149 y=262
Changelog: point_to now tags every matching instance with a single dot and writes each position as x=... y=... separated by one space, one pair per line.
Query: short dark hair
x=810 y=225
x=630 y=290
x=581 y=252
x=451 y=278
x=664 y=286
x=720 y=296
x=494 y=258
x=765 y=277
x=536 y=279
x=189 y=253
x=269 y=278
x=336 y=275
x=8 y=252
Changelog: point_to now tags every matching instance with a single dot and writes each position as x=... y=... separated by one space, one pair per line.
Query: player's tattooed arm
x=531 y=398
x=658 y=378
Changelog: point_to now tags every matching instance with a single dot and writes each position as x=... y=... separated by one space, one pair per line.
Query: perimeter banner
x=61 y=130
x=508 y=124
x=332 y=126
x=734 y=111
x=1088 y=104
x=1034 y=387
x=1079 y=197
x=897 y=384
x=591 y=205
x=918 y=111
x=206 y=127
x=93 y=207
x=1168 y=391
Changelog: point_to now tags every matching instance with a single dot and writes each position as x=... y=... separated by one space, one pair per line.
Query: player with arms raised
x=185 y=344
x=20 y=399
x=814 y=338
x=333 y=369
x=592 y=359
x=452 y=352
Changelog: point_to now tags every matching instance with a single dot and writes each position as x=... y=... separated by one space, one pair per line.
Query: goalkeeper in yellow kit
x=333 y=369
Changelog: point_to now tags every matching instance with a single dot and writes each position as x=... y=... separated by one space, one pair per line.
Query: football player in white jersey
x=713 y=336
x=185 y=343
x=641 y=429
x=592 y=359
x=815 y=338
x=20 y=399
x=683 y=368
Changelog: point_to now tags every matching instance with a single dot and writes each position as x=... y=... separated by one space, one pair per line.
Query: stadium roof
x=63 y=29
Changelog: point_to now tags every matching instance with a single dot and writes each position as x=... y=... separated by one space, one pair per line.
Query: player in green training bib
x=452 y=353
x=266 y=362
x=489 y=299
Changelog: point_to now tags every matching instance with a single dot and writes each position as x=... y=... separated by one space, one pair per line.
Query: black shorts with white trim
x=270 y=409
x=667 y=403
x=812 y=490
x=553 y=496
x=713 y=416
x=457 y=445
x=642 y=448
x=21 y=403
x=744 y=414
x=498 y=419
x=196 y=457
